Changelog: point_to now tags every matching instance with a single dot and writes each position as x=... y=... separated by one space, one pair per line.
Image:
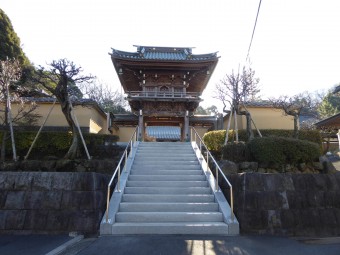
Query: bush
x=282 y=150
x=237 y=152
x=214 y=140
x=54 y=143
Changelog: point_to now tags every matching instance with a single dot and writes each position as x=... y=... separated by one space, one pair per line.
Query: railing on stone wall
x=194 y=136
x=127 y=153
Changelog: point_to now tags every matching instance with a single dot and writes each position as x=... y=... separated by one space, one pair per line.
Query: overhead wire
x=252 y=36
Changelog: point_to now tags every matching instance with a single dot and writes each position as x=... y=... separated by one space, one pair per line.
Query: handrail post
x=232 y=203
x=118 y=183
x=126 y=159
x=217 y=169
x=130 y=149
x=207 y=159
x=107 y=203
x=216 y=179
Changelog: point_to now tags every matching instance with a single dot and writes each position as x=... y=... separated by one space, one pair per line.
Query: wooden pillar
x=182 y=131
x=186 y=126
x=140 y=126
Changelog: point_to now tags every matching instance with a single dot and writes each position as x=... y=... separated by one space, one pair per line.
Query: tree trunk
x=250 y=133
x=74 y=150
x=3 y=146
x=4 y=137
x=296 y=127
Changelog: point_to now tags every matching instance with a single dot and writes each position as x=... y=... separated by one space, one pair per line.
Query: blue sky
x=295 y=47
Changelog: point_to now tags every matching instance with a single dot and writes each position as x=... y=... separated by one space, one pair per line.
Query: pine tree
x=10 y=43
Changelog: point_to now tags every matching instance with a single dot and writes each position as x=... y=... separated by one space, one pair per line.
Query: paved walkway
x=172 y=245
x=30 y=244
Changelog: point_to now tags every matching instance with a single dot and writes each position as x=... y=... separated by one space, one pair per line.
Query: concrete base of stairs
x=208 y=228
x=168 y=195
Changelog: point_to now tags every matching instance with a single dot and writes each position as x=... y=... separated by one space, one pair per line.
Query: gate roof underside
x=172 y=62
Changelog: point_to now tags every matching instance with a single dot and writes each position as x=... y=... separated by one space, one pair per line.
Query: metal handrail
x=217 y=168
x=118 y=170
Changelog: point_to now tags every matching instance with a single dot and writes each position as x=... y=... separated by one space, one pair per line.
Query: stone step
x=161 y=157
x=169 y=217
x=173 y=148
x=165 y=162
x=164 y=144
x=159 y=198
x=167 y=190
x=168 y=207
x=165 y=167
x=167 y=184
x=165 y=150
x=135 y=177
x=166 y=172
x=181 y=228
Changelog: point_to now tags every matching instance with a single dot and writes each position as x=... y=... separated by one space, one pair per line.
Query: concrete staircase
x=167 y=192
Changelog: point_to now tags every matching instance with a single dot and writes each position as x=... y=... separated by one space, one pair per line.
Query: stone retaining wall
x=288 y=204
x=50 y=202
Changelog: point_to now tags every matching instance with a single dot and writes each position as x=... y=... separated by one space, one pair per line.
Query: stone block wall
x=51 y=202
x=287 y=204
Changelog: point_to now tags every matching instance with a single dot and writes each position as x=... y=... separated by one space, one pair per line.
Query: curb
x=64 y=246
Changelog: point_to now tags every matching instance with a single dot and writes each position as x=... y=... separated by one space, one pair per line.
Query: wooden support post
x=186 y=126
x=141 y=126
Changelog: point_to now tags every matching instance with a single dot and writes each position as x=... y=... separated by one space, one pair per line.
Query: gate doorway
x=164 y=133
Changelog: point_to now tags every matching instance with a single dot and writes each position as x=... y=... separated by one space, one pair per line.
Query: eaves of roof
x=84 y=101
x=333 y=120
x=163 y=53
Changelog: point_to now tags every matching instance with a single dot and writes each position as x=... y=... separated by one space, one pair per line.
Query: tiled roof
x=164 y=132
x=163 y=53
x=51 y=100
x=333 y=121
x=259 y=103
x=82 y=101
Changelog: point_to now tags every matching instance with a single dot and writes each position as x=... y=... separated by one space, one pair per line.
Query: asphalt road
x=30 y=244
x=205 y=245
x=168 y=244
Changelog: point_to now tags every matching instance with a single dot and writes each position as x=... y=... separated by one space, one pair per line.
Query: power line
x=252 y=36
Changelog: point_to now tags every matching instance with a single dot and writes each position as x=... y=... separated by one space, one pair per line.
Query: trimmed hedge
x=214 y=140
x=236 y=152
x=283 y=150
x=54 y=143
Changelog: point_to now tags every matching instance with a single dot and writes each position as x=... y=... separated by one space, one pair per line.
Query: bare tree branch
x=234 y=89
x=61 y=75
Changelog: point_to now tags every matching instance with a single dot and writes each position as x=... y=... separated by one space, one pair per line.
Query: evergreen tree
x=10 y=42
x=329 y=106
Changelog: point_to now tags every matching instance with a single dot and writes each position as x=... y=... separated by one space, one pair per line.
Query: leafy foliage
x=54 y=143
x=9 y=42
x=283 y=150
x=214 y=140
x=237 y=152
x=329 y=106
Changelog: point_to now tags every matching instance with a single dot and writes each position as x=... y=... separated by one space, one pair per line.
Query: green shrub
x=237 y=152
x=54 y=143
x=283 y=150
x=214 y=140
